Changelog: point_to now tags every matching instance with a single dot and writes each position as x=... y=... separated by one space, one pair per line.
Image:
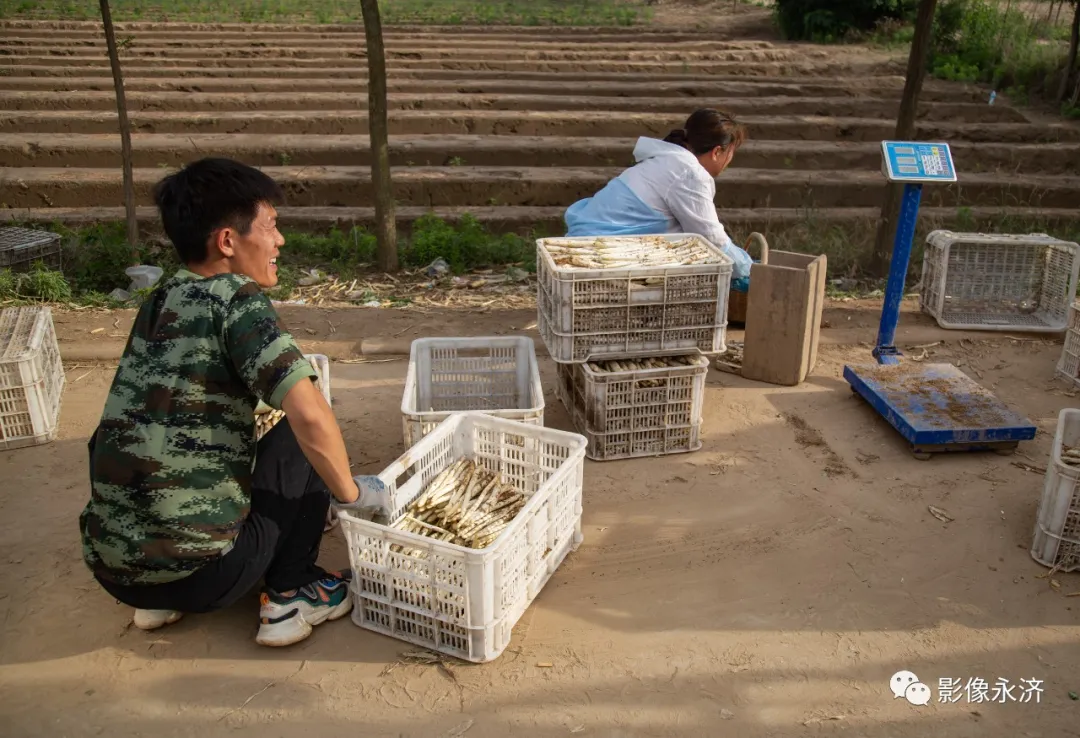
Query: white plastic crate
x=495 y=375
x=632 y=311
x=322 y=367
x=460 y=601
x=629 y=414
x=1069 y=364
x=1057 y=529
x=31 y=377
x=996 y=282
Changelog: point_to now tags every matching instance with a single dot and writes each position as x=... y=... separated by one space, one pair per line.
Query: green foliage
x=829 y=21
x=38 y=284
x=342 y=252
x=464 y=245
x=452 y=12
x=977 y=41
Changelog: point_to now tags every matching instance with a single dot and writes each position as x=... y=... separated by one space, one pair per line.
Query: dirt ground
x=767 y=585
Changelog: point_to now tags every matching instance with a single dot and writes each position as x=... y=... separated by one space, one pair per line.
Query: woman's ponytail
x=678 y=137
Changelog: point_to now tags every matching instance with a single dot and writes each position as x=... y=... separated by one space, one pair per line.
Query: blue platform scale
x=935 y=407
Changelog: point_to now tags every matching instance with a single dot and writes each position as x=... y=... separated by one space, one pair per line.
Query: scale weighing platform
x=935 y=407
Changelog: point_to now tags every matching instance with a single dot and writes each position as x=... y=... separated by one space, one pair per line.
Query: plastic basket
x=455 y=600
x=1069 y=364
x=993 y=282
x=630 y=414
x=633 y=311
x=495 y=375
x=31 y=377
x=21 y=248
x=1057 y=529
x=322 y=367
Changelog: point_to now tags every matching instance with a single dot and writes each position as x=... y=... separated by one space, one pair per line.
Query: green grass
x=445 y=12
x=95 y=257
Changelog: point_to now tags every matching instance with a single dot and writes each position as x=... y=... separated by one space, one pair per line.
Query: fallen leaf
x=726 y=714
x=940 y=514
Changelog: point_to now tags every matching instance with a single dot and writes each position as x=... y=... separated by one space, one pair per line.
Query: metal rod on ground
x=905 y=130
x=385 y=225
x=885 y=349
x=125 y=132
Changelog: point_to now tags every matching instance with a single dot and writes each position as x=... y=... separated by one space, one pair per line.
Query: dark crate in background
x=21 y=248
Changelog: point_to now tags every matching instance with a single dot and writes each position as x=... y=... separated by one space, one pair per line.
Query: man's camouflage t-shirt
x=171 y=461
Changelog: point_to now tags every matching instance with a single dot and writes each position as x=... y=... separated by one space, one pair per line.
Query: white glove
x=371 y=504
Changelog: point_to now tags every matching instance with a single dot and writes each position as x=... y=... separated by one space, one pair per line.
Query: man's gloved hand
x=371 y=504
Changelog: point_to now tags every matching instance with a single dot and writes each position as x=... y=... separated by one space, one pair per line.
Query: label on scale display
x=911 y=161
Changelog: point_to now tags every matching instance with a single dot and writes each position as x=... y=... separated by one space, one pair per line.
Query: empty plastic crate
x=993 y=282
x=31 y=377
x=21 y=248
x=495 y=375
x=638 y=412
x=451 y=599
x=631 y=311
x=1069 y=364
x=1057 y=529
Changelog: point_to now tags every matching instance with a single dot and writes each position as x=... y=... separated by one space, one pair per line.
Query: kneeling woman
x=670 y=189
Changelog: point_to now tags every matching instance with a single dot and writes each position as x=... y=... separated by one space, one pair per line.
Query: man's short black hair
x=207 y=195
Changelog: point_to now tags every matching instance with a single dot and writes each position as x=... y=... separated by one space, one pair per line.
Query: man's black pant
x=279 y=540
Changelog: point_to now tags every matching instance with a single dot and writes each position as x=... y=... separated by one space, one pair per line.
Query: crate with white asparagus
x=1057 y=529
x=482 y=512
x=631 y=295
x=267 y=417
x=999 y=282
x=628 y=408
x=497 y=375
x=1069 y=364
x=31 y=377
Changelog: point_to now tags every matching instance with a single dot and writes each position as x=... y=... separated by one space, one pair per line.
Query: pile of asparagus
x=267 y=417
x=637 y=365
x=615 y=252
x=465 y=504
x=1070 y=455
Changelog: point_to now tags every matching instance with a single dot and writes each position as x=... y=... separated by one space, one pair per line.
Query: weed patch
x=433 y=12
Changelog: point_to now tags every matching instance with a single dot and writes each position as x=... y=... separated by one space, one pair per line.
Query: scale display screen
x=911 y=161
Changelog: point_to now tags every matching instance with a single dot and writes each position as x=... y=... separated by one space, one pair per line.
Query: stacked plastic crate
x=1069 y=364
x=629 y=330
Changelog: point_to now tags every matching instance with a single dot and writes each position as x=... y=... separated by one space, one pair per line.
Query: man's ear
x=223 y=241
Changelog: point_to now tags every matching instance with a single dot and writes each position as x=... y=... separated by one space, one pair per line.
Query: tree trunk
x=905 y=131
x=386 y=229
x=1070 y=62
x=125 y=133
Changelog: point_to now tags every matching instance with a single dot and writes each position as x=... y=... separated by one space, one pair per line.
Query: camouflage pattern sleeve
x=264 y=353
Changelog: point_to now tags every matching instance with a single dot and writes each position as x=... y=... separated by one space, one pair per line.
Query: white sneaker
x=154 y=619
x=285 y=619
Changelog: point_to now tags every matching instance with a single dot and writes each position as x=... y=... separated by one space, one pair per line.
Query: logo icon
x=900 y=681
x=905 y=684
x=918 y=694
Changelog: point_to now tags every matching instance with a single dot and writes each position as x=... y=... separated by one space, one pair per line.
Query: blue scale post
x=935 y=407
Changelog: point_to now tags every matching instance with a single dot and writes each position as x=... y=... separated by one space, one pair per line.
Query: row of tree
x=378 y=131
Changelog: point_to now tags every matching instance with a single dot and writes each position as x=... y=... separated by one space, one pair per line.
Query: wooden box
x=783 y=317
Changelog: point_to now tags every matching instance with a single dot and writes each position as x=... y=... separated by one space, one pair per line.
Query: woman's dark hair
x=207 y=195
x=706 y=129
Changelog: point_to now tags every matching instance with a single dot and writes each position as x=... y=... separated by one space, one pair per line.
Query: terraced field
x=512 y=124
